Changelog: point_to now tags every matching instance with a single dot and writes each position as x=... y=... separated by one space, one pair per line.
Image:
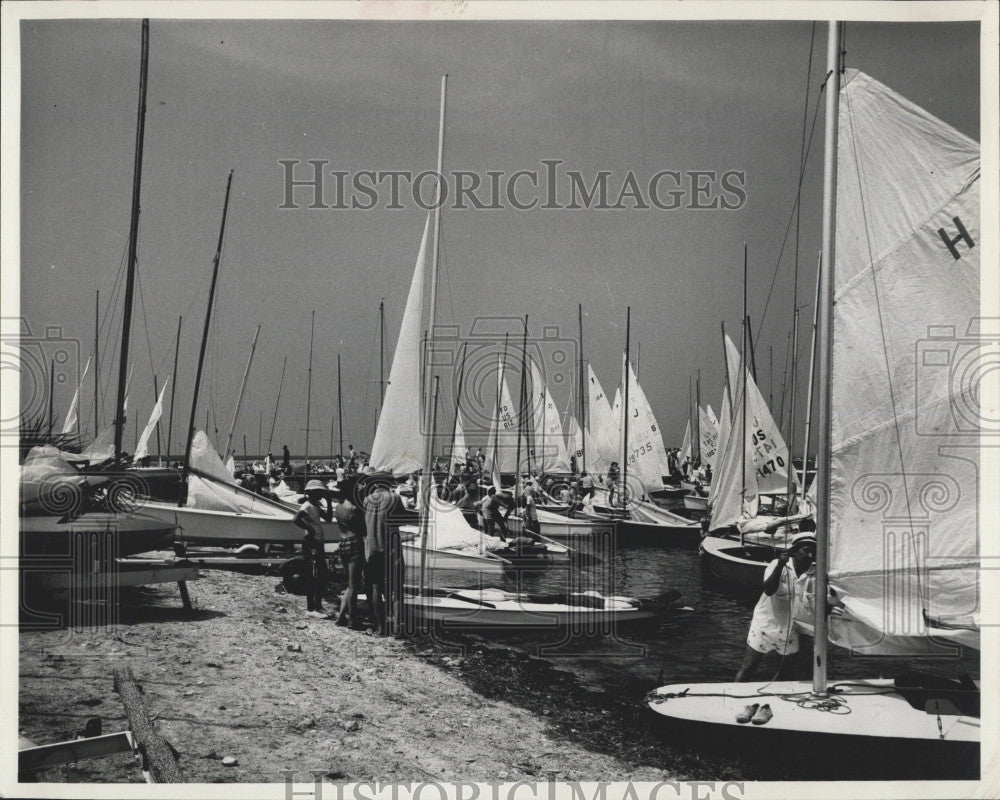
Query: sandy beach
x=247 y=676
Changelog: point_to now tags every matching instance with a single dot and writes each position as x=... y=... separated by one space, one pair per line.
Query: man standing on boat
x=772 y=628
x=286 y=460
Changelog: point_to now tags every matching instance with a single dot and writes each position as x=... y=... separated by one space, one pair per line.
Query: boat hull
x=93 y=537
x=729 y=561
x=226 y=528
x=695 y=502
x=823 y=737
x=474 y=609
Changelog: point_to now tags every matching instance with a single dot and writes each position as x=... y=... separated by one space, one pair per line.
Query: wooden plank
x=158 y=755
x=55 y=754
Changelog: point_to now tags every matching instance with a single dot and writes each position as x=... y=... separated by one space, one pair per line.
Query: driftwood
x=159 y=757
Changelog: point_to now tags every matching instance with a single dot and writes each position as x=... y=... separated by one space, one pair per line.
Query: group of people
x=369 y=550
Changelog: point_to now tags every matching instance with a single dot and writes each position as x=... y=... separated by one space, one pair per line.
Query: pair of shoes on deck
x=756 y=714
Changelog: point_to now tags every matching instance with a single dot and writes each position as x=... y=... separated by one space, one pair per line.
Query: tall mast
x=812 y=377
x=239 y=398
x=204 y=344
x=156 y=395
x=791 y=485
x=583 y=386
x=690 y=417
x=696 y=436
x=173 y=388
x=825 y=336
x=274 y=419
x=340 y=408
x=381 y=355
x=625 y=409
x=522 y=402
x=97 y=365
x=458 y=401
x=52 y=387
x=133 y=237
x=428 y=477
x=743 y=404
x=260 y=432
x=309 y=385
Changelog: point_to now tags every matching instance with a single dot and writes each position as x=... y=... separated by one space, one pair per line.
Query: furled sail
x=908 y=353
x=399 y=443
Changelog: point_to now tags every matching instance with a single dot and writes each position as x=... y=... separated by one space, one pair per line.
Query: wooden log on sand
x=160 y=759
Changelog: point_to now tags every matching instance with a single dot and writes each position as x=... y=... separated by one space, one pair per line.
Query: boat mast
x=522 y=402
x=309 y=385
x=825 y=336
x=274 y=419
x=52 y=387
x=381 y=356
x=156 y=396
x=239 y=398
x=625 y=409
x=97 y=365
x=743 y=404
x=458 y=404
x=133 y=237
x=790 y=490
x=173 y=389
x=340 y=409
x=204 y=343
x=428 y=477
x=812 y=377
x=696 y=444
x=583 y=386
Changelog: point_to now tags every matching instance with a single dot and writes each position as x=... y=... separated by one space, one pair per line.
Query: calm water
x=703 y=640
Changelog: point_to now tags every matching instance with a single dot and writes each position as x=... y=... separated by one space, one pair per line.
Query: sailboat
x=898 y=465
x=642 y=446
x=60 y=520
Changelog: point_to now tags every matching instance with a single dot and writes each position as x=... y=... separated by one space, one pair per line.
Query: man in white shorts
x=772 y=628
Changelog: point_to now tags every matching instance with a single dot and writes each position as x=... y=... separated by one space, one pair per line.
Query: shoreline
x=246 y=675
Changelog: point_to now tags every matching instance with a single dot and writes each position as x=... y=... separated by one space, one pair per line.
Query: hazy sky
x=616 y=96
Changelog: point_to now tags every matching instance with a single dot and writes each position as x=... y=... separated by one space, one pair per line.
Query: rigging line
x=798 y=196
x=885 y=344
x=107 y=321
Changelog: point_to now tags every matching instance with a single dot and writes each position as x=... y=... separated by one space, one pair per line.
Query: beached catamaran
x=898 y=474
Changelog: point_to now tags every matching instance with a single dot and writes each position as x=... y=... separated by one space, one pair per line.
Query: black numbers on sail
x=770 y=466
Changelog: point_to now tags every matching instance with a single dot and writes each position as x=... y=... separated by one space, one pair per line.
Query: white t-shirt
x=316 y=521
x=772 y=627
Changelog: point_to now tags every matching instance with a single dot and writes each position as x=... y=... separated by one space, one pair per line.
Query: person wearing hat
x=773 y=626
x=309 y=518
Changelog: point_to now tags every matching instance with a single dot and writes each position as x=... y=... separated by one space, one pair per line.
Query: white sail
x=501 y=449
x=708 y=435
x=645 y=452
x=142 y=446
x=72 y=417
x=399 y=442
x=770 y=453
x=734 y=495
x=458 y=446
x=725 y=425
x=908 y=355
x=685 y=451
x=602 y=445
x=549 y=446
x=575 y=440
